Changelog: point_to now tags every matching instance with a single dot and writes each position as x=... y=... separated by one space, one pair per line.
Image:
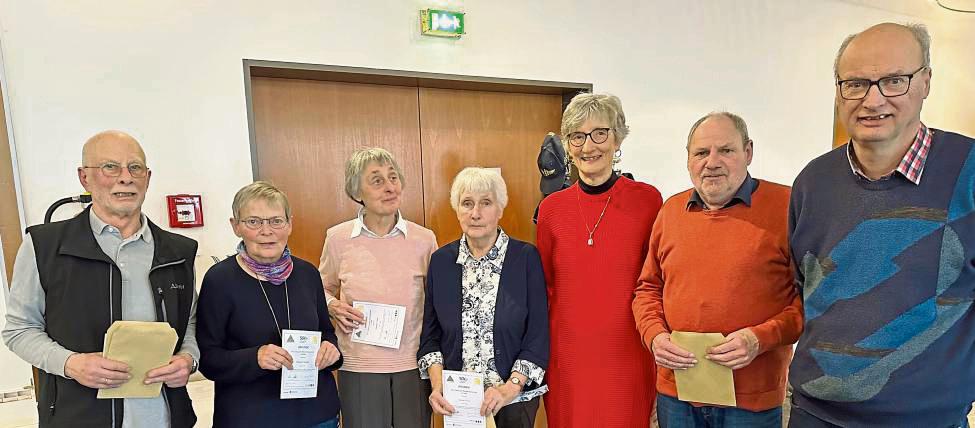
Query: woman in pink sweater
x=378 y=257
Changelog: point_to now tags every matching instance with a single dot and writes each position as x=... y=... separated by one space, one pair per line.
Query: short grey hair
x=260 y=190
x=739 y=123
x=358 y=162
x=587 y=105
x=919 y=31
x=478 y=180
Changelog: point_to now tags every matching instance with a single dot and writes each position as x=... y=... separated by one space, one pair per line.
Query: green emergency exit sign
x=441 y=23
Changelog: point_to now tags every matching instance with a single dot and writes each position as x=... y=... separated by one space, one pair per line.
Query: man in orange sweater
x=719 y=261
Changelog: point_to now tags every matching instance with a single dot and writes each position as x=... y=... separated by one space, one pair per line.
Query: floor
x=23 y=414
x=201 y=392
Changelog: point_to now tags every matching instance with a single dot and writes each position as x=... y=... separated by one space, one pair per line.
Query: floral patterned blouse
x=480 y=280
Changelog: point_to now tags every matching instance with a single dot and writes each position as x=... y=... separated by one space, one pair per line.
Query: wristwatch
x=515 y=381
x=195 y=365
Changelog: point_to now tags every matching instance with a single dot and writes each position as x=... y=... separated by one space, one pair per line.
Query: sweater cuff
x=57 y=361
x=651 y=333
x=767 y=339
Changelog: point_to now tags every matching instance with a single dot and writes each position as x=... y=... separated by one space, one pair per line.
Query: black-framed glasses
x=112 y=169
x=890 y=86
x=598 y=136
x=254 y=223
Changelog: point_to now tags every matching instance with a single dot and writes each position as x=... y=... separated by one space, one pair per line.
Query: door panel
x=10 y=227
x=461 y=128
x=840 y=137
x=305 y=130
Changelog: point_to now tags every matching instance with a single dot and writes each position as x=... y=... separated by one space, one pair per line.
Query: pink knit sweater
x=390 y=270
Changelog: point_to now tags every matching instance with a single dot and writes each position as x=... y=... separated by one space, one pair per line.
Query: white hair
x=478 y=180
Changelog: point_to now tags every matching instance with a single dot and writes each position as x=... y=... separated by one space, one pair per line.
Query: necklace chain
x=287 y=304
x=585 y=222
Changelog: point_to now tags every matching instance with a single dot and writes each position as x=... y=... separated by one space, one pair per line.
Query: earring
x=618 y=156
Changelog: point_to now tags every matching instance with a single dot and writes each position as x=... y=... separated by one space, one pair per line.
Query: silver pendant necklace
x=581 y=214
x=287 y=304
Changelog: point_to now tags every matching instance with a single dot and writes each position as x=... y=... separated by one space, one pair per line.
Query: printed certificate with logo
x=302 y=381
x=383 y=326
x=464 y=391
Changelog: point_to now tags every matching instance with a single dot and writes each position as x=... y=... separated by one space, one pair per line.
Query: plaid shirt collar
x=911 y=166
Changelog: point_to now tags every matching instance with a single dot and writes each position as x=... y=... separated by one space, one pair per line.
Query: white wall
x=953 y=60
x=170 y=73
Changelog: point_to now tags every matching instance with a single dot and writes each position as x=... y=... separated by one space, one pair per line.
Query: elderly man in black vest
x=74 y=278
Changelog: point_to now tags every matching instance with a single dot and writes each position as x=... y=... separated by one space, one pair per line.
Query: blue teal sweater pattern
x=887 y=270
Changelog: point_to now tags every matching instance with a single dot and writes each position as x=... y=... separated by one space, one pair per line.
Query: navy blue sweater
x=521 y=311
x=888 y=278
x=233 y=321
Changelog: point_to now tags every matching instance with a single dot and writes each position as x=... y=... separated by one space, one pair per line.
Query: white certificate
x=302 y=381
x=383 y=326
x=464 y=391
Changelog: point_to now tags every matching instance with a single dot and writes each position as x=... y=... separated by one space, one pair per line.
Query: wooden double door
x=306 y=129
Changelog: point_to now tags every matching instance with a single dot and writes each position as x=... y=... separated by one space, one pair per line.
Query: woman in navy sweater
x=486 y=308
x=245 y=302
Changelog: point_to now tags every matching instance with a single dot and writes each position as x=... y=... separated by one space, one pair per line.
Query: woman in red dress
x=593 y=239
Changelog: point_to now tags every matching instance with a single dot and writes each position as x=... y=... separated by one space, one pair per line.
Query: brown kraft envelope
x=143 y=346
x=707 y=382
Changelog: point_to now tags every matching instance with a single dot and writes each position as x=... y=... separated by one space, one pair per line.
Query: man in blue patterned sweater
x=883 y=233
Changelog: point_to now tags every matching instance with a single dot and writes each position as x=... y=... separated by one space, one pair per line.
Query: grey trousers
x=383 y=400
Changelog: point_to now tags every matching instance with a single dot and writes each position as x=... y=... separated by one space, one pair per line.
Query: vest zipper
x=167 y=264
x=54 y=397
x=111 y=297
x=162 y=307
x=111 y=314
x=162 y=302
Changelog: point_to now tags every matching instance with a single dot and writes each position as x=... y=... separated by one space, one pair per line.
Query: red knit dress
x=599 y=373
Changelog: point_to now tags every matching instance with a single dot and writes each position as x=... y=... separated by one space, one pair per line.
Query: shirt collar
x=495 y=255
x=359 y=226
x=99 y=227
x=743 y=195
x=911 y=165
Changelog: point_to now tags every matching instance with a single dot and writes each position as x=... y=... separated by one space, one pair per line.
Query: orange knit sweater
x=721 y=271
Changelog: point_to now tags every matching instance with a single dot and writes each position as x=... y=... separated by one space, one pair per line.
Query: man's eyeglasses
x=890 y=86
x=598 y=136
x=111 y=169
x=254 y=223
